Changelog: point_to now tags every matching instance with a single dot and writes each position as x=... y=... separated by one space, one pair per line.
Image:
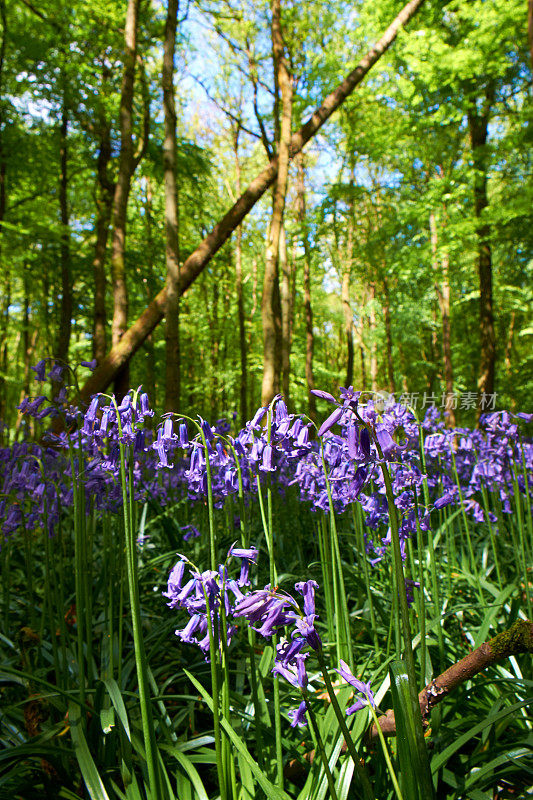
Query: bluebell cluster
x=215 y=602
x=169 y=462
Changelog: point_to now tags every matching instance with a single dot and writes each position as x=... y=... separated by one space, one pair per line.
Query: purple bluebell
x=360 y=687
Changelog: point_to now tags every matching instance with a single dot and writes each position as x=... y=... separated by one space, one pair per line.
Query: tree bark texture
x=132 y=339
x=172 y=254
x=478 y=120
x=122 y=190
x=271 y=307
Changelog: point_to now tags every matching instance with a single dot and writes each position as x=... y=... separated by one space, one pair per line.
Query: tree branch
x=517 y=639
x=195 y=263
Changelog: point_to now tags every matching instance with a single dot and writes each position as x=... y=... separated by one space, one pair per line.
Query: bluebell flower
x=297 y=715
x=359 y=686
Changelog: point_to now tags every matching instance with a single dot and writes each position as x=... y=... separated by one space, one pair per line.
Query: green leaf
x=90 y=774
x=272 y=792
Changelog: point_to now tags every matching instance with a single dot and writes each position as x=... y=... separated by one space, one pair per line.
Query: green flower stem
x=360 y=770
x=424 y=775
x=431 y=549
x=342 y=618
x=269 y=533
x=229 y=762
x=386 y=754
x=522 y=538
x=358 y=527
x=213 y=654
x=152 y=759
x=79 y=549
x=421 y=592
x=492 y=536
x=245 y=541
x=327 y=577
x=320 y=744
x=473 y=560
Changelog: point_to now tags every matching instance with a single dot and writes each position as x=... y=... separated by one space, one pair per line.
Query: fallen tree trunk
x=133 y=338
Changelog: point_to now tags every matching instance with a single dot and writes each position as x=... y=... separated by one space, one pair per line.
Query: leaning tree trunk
x=478 y=121
x=130 y=342
x=271 y=301
x=172 y=332
x=122 y=190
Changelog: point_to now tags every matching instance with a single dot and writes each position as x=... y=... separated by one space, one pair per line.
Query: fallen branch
x=517 y=639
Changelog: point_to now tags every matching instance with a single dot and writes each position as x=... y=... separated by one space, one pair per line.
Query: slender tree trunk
x=348 y=323
x=530 y=29
x=388 y=335
x=104 y=204
x=509 y=345
x=286 y=314
x=5 y=271
x=271 y=301
x=215 y=353
x=199 y=258
x=29 y=342
x=346 y=279
x=442 y=289
x=308 y=310
x=478 y=121
x=122 y=190
x=373 y=342
x=150 y=282
x=65 y=320
x=172 y=333
x=243 y=389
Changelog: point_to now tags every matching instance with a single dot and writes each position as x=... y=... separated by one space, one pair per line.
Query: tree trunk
x=373 y=342
x=271 y=302
x=388 y=335
x=308 y=309
x=6 y=300
x=442 y=289
x=172 y=332
x=65 y=319
x=104 y=205
x=243 y=390
x=122 y=190
x=478 y=121
x=196 y=262
x=530 y=29
x=286 y=314
x=29 y=342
